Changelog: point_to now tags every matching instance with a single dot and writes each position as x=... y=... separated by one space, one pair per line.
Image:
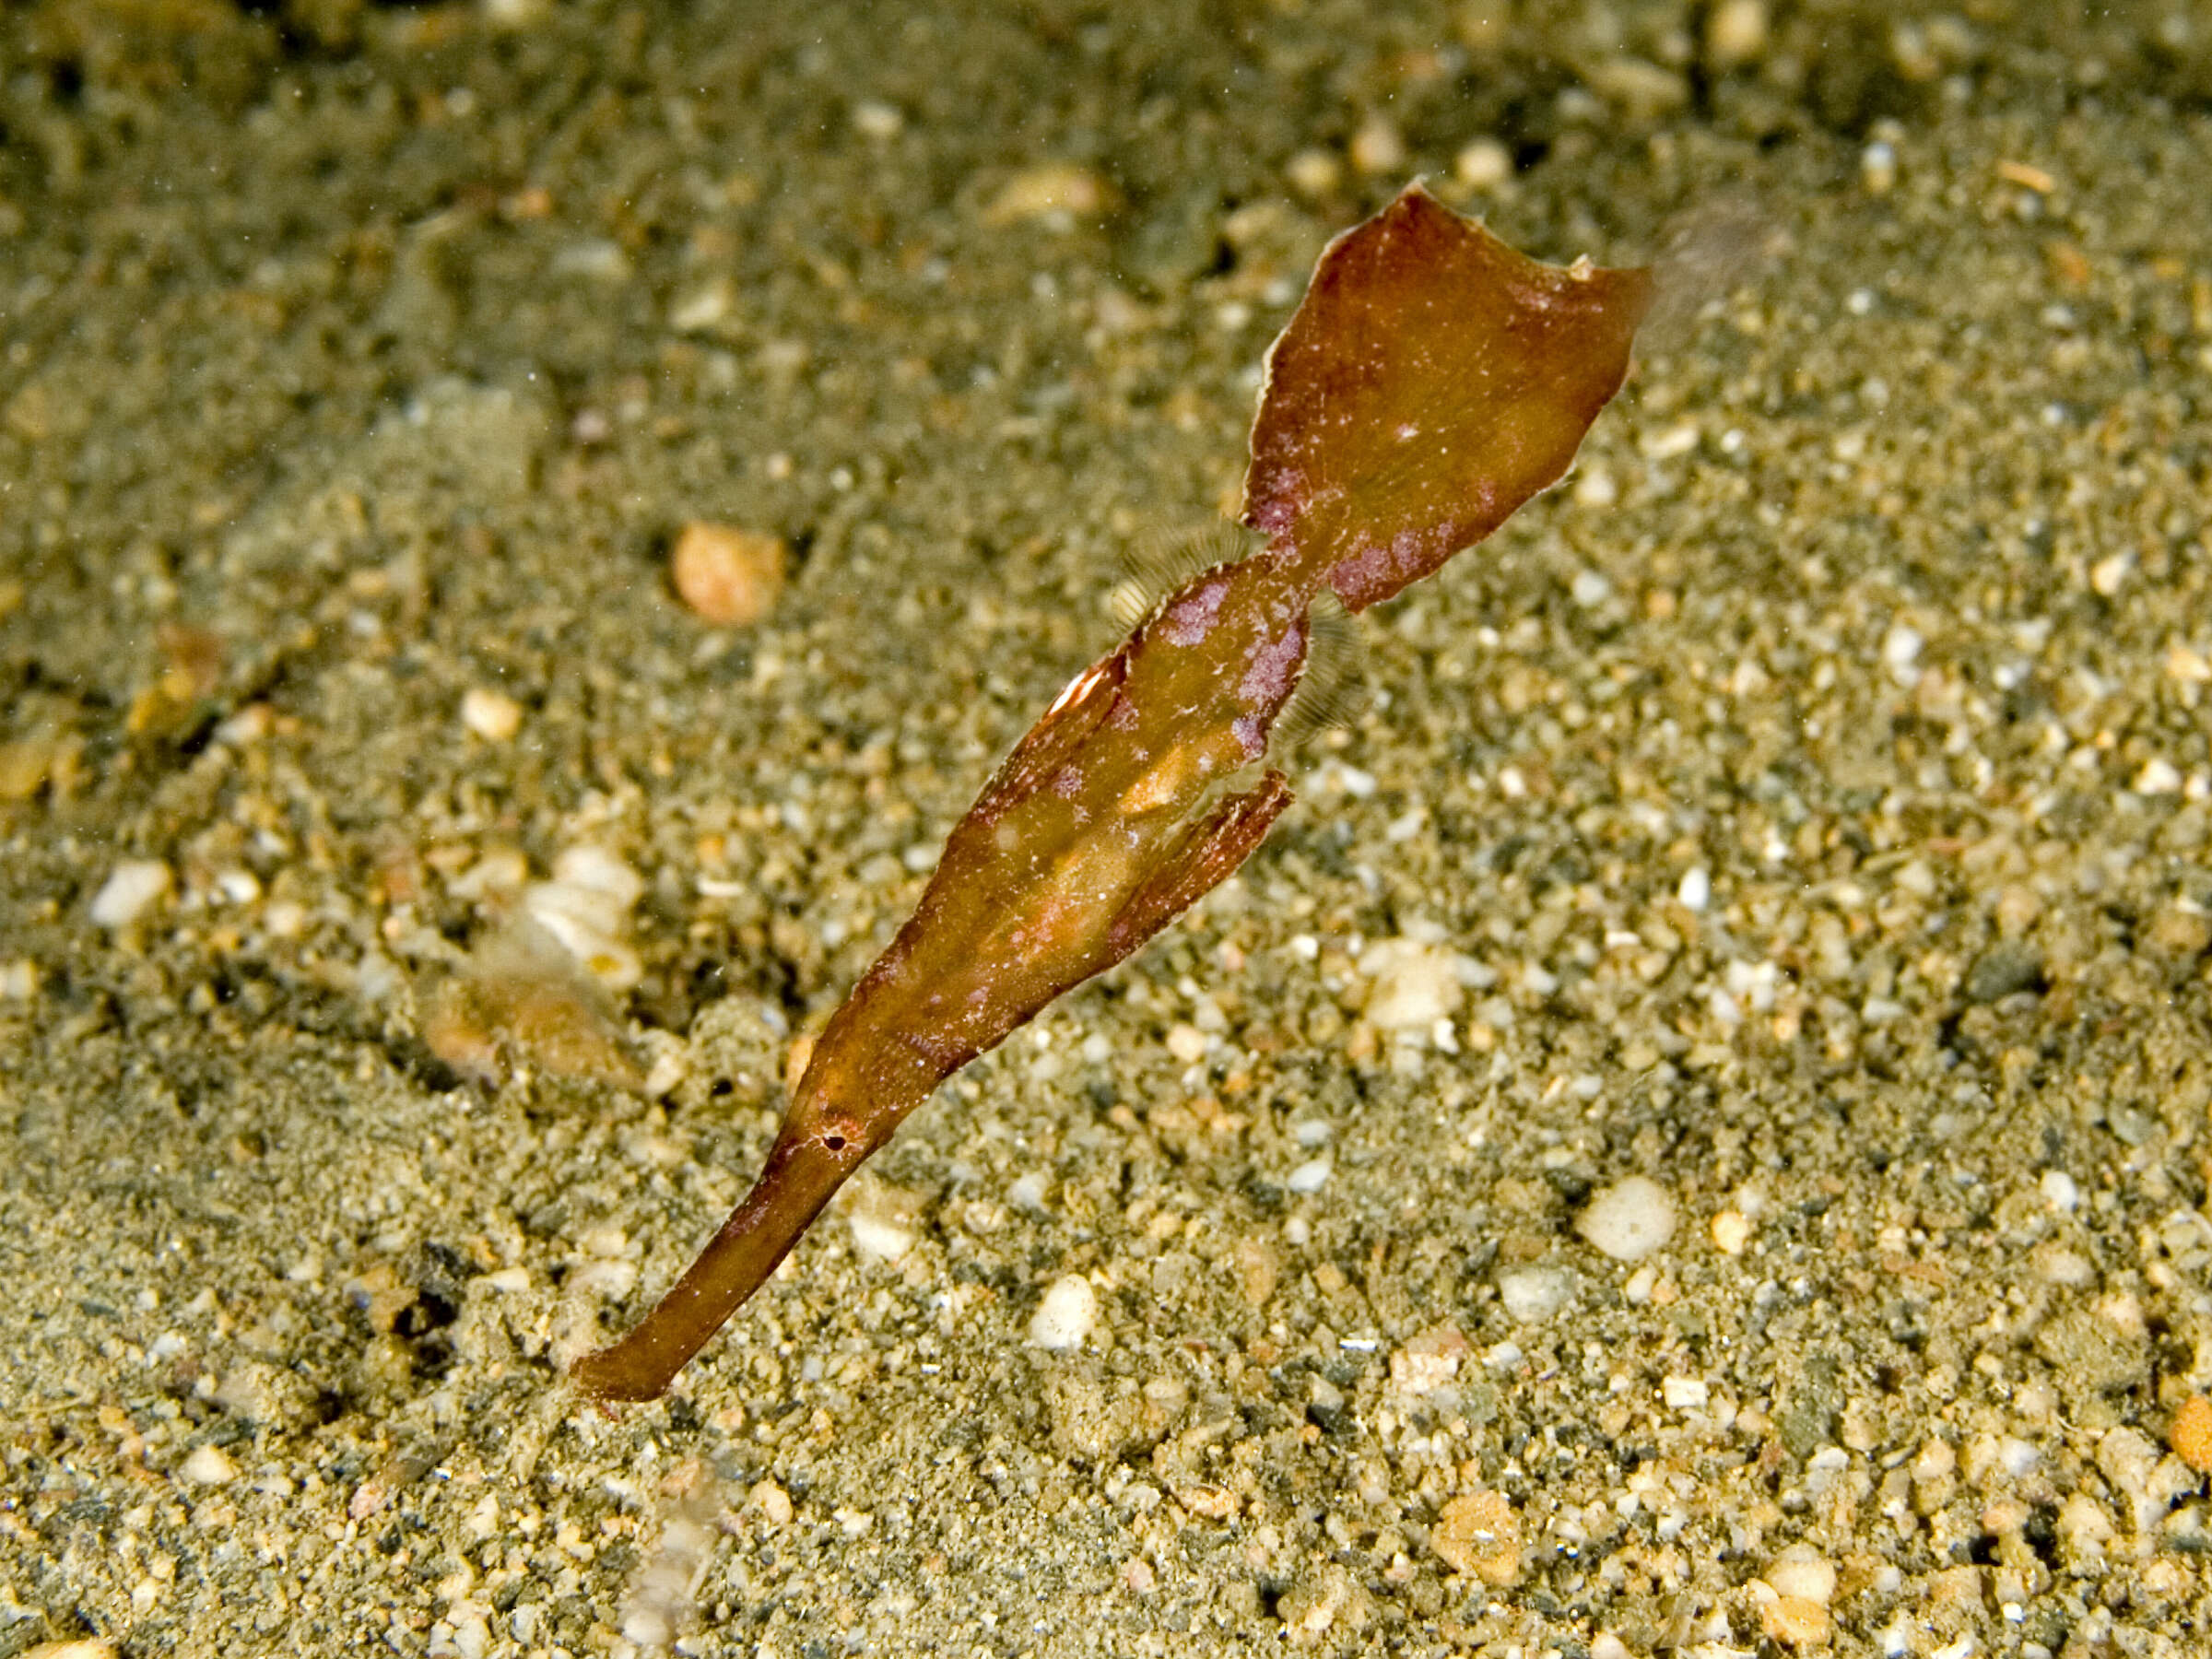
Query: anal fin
x=1204 y=855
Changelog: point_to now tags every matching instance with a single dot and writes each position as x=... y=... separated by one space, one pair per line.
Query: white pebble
x=704 y=308
x=1027 y=1193
x=1877 y=167
x=1186 y=1042
x=1735 y=32
x=586 y=906
x=879 y=1235
x=2060 y=1191
x=1377 y=147
x=1065 y=1315
x=601 y=872
x=1309 y=1176
x=1595 y=488
x=1414 y=985
x=1900 y=652
x=206 y=1466
x=772 y=1502
x=1531 y=1294
x=491 y=716
x=668 y=1070
x=1803 y=1570
x=1483 y=164
x=1685 y=1393
x=2157 y=778
x=878 y=121
x=131 y=888
x=1630 y=1219
x=1314 y=173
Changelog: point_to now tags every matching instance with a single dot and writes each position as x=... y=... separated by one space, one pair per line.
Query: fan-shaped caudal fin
x=1205 y=855
x=1431 y=382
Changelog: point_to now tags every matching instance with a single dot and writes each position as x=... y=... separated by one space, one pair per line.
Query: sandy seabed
x=1779 y=858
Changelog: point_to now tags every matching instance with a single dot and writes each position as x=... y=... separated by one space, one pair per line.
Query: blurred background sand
x=1691 y=1135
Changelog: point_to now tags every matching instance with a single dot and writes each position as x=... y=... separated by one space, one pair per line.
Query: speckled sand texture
x=1801 y=823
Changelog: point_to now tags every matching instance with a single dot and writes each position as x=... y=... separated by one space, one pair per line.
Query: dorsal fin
x=1157 y=565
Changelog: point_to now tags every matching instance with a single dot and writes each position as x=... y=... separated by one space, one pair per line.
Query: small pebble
x=1377 y=147
x=1065 y=1315
x=1934 y=1461
x=1900 y=652
x=1532 y=1294
x=2157 y=778
x=772 y=1502
x=1059 y=190
x=586 y=907
x=1730 y=1232
x=1595 y=486
x=879 y=1234
x=1483 y=164
x=207 y=1466
x=1795 y=1622
x=728 y=577
x=1735 y=32
x=1428 y=1362
x=131 y=888
x=1802 y=1571
x=2191 y=1435
x=491 y=716
x=2084 y=1528
x=1644 y=91
x=1630 y=1219
x=1695 y=890
x=704 y=308
x=1685 y=1393
x=1314 y=173
x=876 y=120
x=1413 y=984
x=1481 y=1534
x=1877 y=169
x=1309 y=1176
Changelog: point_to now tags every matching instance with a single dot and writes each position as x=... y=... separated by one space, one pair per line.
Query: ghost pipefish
x=1431 y=382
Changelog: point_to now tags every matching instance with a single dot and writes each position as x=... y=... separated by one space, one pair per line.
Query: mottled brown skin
x=1431 y=381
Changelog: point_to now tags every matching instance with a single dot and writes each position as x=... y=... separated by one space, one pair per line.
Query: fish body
x=1431 y=381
